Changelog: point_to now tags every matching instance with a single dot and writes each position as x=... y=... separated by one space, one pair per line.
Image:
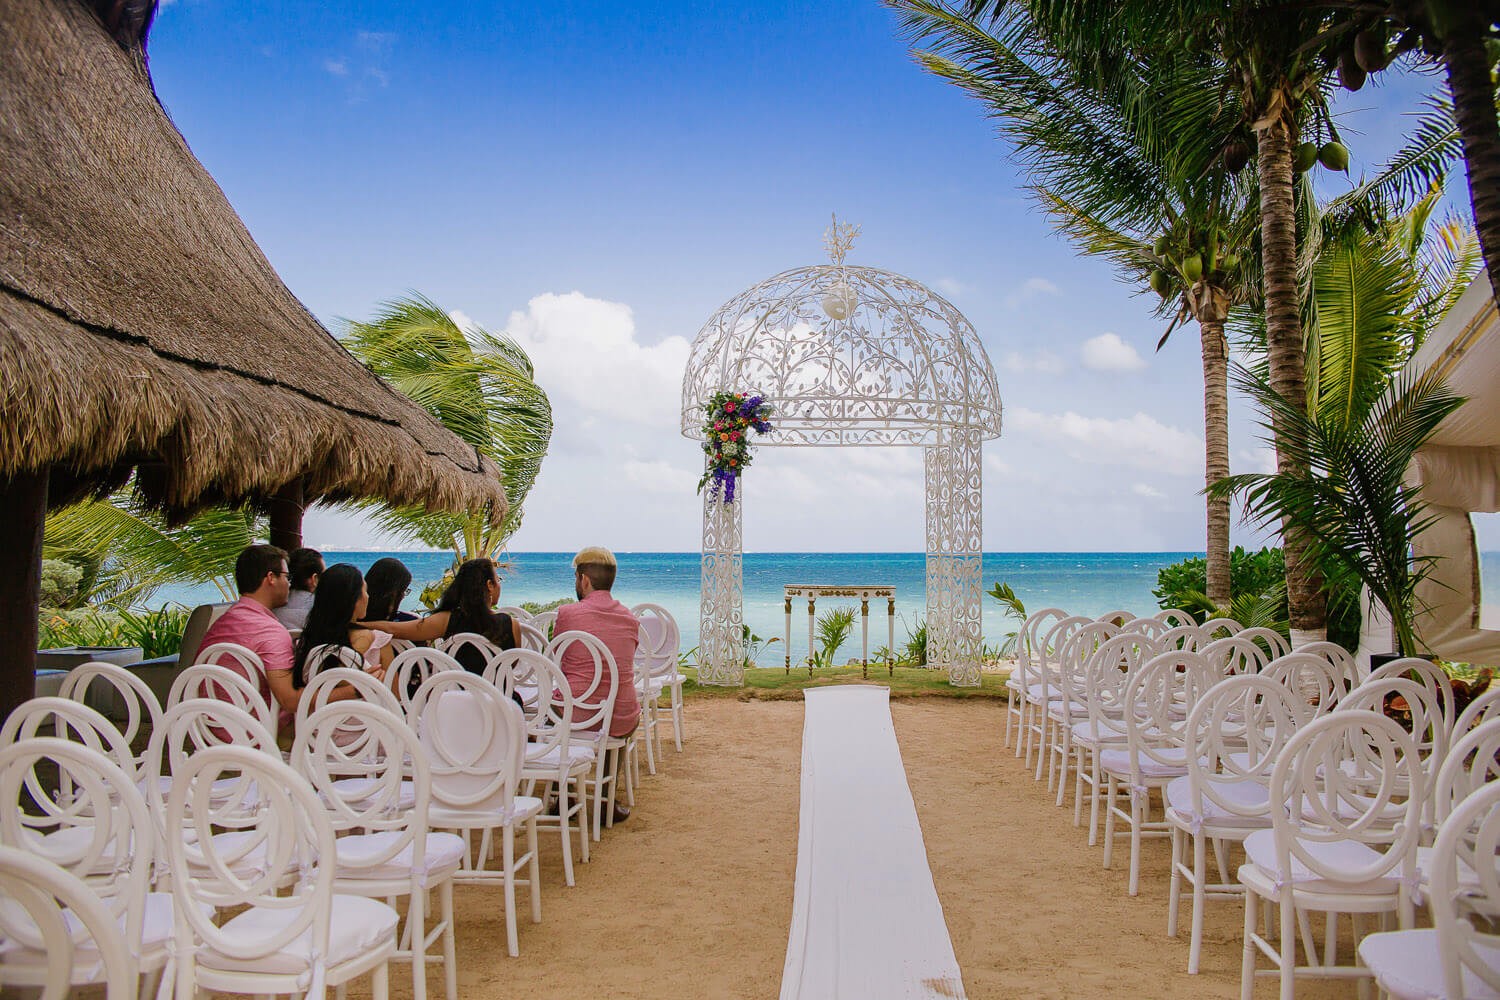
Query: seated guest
x=466 y=607
x=306 y=567
x=600 y=615
x=389 y=581
x=341 y=601
x=260 y=574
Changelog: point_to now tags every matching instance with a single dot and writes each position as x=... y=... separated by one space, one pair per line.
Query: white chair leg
x=380 y=982
x=536 y=871
x=1139 y=810
x=508 y=859
x=450 y=947
x=1200 y=897
x=1247 y=958
x=1287 y=958
x=1109 y=823
x=416 y=929
x=565 y=828
x=1174 y=886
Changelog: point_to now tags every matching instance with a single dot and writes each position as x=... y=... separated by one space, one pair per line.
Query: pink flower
x=728 y=407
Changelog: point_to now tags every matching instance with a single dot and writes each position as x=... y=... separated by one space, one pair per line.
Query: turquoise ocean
x=1081 y=582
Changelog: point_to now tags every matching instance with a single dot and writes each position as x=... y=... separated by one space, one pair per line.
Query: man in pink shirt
x=600 y=615
x=261 y=575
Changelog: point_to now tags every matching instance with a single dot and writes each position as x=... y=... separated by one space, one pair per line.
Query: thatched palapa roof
x=141 y=326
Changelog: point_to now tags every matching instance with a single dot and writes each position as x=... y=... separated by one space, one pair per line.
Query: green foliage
x=833 y=628
x=158 y=632
x=1014 y=608
x=914 y=650
x=482 y=387
x=1182 y=584
x=60 y=583
x=755 y=645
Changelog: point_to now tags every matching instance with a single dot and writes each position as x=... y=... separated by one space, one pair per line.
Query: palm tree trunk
x=1216 y=455
x=1474 y=109
x=1285 y=350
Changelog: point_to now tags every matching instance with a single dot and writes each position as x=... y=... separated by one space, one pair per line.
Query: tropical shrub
x=833 y=628
x=60 y=583
x=1183 y=584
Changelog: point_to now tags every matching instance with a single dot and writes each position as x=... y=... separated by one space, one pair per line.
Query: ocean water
x=1089 y=583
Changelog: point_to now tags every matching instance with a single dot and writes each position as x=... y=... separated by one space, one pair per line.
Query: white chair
x=1331 y=848
x=226 y=684
x=475 y=743
x=330 y=655
x=321 y=688
x=554 y=758
x=519 y=614
x=1453 y=958
x=1117 y=617
x=1069 y=707
x=1219 y=628
x=1480 y=710
x=1427 y=673
x=458 y=644
x=412 y=668
x=1233 y=737
x=1158 y=698
x=1043 y=688
x=1235 y=654
x=1471 y=764
x=593 y=709
x=656 y=670
x=532 y=638
x=124 y=689
x=1339 y=657
x=53 y=923
x=384 y=848
x=1429 y=734
x=103 y=836
x=1313 y=678
x=1106 y=678
x=292 y=933
x=191 y=727
x=239 y=660
x=1189 y=637
x=1174 y=617
x=74 y=721
x=1272 y=642
x=1151 y=627
x=1027 y=641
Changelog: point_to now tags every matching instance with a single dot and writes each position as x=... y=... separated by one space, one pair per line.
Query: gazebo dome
x=846 y=355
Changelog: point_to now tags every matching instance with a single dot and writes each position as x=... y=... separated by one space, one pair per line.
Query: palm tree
x=483 y=388
x=1127 y=173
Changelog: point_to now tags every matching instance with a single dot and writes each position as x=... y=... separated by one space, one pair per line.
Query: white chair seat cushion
x=550 y=760
x=1039 y=692
x=156 y=932
x=1173 y=765
x=522 y=808
x=357 y=925
x=1408 y=966
x=349 y=790
x=1066 y=712
x=1345 y=855
x=1468 y=878
x=1090 y=735
x=1247 y=795
x=443 y=854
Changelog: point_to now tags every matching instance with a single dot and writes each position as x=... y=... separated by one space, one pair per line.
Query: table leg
x=864 y=628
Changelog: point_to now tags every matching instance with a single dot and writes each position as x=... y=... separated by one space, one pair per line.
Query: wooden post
x=890 y=642
x=788 y=650
x=286 y=509
x=864 y=631
x=23 y=516
x=811 y=621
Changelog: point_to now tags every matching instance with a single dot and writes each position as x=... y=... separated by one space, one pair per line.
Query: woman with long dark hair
x=388 y=581
x=466 y=606
x=339 y=602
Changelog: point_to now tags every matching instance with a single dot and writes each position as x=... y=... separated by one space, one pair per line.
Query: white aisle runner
x=866 y=921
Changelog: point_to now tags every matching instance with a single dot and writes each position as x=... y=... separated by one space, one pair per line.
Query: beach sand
x=692 y=896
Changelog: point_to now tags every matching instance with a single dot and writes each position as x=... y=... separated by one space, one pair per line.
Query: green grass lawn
x=774 y=684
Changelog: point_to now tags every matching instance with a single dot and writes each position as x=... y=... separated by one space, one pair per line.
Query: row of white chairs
x=1209 y=717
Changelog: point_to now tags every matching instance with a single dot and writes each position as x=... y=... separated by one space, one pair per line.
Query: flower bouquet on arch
x=729 y=417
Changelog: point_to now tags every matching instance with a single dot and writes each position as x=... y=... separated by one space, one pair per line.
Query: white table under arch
x=852 y=356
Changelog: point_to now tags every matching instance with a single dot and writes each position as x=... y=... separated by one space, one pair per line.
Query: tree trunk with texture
x=286 y=509
x=23 y=514
x=1286 y=351
x=1216 y=455
x=1465 y=56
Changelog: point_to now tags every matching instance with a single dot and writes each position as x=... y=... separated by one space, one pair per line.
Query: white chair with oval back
x=519 y=614
x=1044 y=687
x=1427 y=673
x=1271 y=642
x=1315 y=679
x=1454 y=958
x=1340 y=657
x=1219 y=628
x=1027 y=640
x=319 y=693
x=330 y=655
x=1235 y=654
x=291 y=931
x=48 y=916
x=1106 y=677
x=103 y=835
x=1151 y=627
x=245 y=662
x=1481 y=710
x=593 y=708
x=208 y=680
x=1331 y=847
x=555 y=759
x=474 y=740
x=1070 y=707
x=1233 y=736
x=656 y=670
x=532 y=638
x=1429 y=733
x=1173 y=617
x=481 y=648
x=74 y=721
x=126 y=690
x=384 y=848
x=190 y=727
x=411 y=669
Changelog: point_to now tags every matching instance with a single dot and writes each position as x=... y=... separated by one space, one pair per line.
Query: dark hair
x=304 y=564
x=253 y=565
x=600 y=575
x=466 y=598
x=331 y=615
x=387 y=579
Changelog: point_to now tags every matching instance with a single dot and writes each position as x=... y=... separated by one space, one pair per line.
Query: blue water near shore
x=1082 y=582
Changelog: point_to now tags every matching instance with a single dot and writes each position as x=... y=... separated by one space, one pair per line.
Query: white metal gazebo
x=847 y=356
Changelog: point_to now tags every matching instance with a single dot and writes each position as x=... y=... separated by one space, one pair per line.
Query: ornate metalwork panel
x=955 y=640
x=721 y=637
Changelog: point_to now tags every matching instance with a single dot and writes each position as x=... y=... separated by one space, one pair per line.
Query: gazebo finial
x=839 y=239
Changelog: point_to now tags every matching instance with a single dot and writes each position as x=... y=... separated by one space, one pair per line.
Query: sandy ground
x=692 y=897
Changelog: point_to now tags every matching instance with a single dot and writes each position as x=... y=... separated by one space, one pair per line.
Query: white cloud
x=1109 y=353
x=1140 y=441
x=1261 y=459
x=1149 y=492
x=1043 y=361
x=1029 y=289
x=659 y=477
x=338 y=67
x=950 y=286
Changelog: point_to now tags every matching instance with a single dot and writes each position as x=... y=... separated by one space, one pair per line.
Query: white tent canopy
x=1459 y=472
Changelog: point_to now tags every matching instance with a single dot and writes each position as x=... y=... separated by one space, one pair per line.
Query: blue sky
x=597 y=178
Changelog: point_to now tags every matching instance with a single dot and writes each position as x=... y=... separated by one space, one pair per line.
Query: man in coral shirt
x=260 y=573
x=600 y=615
